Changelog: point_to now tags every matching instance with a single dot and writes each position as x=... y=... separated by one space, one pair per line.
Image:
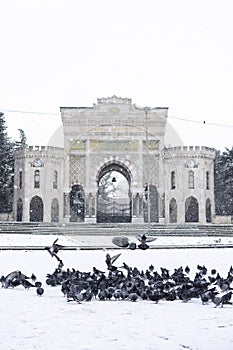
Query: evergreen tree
x=224 y=182
x=6 y=168
x=22 y=140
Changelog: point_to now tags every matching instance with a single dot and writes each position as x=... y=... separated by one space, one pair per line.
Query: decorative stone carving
x=114 y=100
x=77 y=170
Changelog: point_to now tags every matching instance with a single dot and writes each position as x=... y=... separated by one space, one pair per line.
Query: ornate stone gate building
x=114 y=136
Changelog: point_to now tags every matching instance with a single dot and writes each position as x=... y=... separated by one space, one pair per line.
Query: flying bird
x=110 y=261
x=54 y=249
x=144 y=239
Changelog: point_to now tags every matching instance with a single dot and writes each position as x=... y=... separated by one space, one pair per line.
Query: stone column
x=137 y=211
x=90 y=215
x=66 y=206
x=26 y=208
x=202 y=211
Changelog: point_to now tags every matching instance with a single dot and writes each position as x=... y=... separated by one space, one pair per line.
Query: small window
x=207 y=180
x=191 y=180
x=20 y=179
x=173 y=180
x=55 y=179
x=37 y=179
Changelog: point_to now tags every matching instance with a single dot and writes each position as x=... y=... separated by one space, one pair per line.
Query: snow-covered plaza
x=50 y=322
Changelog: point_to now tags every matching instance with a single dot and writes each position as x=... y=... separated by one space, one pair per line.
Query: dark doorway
x=191 y=210
x=36 y=209
x=77 y=204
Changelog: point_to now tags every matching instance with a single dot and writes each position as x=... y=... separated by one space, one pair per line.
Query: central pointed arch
x=114 y=202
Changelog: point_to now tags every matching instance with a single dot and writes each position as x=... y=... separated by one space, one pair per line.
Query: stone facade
x=114 y=135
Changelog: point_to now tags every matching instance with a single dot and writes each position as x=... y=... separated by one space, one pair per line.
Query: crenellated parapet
x=188 y=152
x=39 y=151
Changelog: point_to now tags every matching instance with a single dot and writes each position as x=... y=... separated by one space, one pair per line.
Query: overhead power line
x=27 y=112
x=170 y=117
x=202 y=122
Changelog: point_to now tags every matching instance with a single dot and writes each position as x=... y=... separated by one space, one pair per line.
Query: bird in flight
x=54 y=249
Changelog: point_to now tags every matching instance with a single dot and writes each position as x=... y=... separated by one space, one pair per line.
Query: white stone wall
x=51 y=159
x=177 y=159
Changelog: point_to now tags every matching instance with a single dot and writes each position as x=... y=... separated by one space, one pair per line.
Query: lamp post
x=146 y=109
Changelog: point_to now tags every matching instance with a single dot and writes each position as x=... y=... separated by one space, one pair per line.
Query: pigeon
x=40 y=291
x=54 y=249
x=144 y=239
x=122 y=241
x=26 y=284
x=33 y=277
x=38 y=284
x=133 y=297
x=12 y=279
x=110 y=260
x=222 y=299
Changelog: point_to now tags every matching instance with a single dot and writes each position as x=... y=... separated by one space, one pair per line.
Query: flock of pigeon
x=17 y=278
x=129 y=283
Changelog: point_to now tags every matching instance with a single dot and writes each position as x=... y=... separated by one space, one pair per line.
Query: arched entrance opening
x=113 y=195
x=208 y=210
x=77 y=204
x=173 y=211
x=36 y=209
x=19 y=214
x=54 y=210
x=191 y=210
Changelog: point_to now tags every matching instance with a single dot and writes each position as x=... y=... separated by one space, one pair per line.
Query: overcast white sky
x=160 y=53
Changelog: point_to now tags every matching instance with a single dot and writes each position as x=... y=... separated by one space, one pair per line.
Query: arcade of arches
x=110 y=206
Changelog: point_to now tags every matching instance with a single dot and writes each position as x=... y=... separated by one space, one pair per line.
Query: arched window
x=191 y=179
x=20 y=179
x=208 y=210
x=37 y=179
x=173 y=180
x=207 y=180
x=55 y=179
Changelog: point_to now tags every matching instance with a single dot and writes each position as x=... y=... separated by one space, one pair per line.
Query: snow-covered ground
x=49 y=322
x=22 y=240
